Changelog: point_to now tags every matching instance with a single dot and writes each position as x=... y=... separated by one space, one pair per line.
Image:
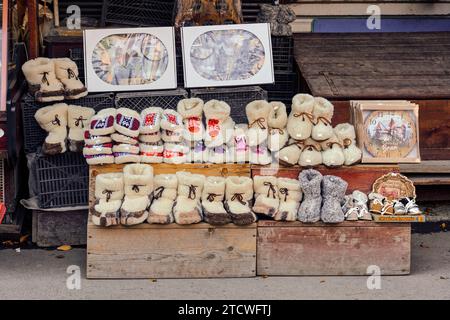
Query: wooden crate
x=359 y=177
x=171 y=251
x=55 y=228
x=349 y=248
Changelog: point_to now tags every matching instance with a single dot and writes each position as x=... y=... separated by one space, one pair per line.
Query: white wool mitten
x=213 y=196
x=150 y=120
x=164 y=196
x=78 y=121
x=127 y=122
x=290 y=154
x=53 y=119
x=191 y=111
x=67 y=72
x=323 y=113
x=257 y=115
x=311 y=155
x=42 y=81
x=332 y=152
x=102 y=124
x=175 y=153
x=301 y=120
x=109 y=193
x=346 y=134
x=218 y=123
x=266 y=195
x=138 y=187
x=277 y=120
x=290 y=195
x=239 y=195
x=187 y=208
x=151 y=152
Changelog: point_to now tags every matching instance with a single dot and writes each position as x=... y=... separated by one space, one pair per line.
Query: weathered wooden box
x=349 y=248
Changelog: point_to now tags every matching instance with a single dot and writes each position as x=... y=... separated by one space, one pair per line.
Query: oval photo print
x=222 y=55
x=130 y=59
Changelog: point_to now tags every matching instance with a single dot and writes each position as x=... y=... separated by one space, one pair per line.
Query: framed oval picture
x=227 y=55
x=129 y=59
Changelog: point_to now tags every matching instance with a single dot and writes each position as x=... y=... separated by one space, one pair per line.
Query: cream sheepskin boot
x=191 y=111
x=310 y=183
x=90 y=139
x=260 y=155
x=219 y=154
x=332 y=152
x=333 y=193
x=42 y=81
x=121 y=138
x=151 y=152
x=198 y=153
x=239 y=195
x=278 y=135
x=218 y=122
x=266 y=195
x=290 y=155
x=290 y=195
x=102 y=124
x=240 y=146
x=213 y=196
x=67 y=72
x=150 y=120
x=53 y=119
x=301 y=120
x=163 y=199
x=127 y=122
x=187 y=208
x=138 y=187
x=311 y=155
x=108 y=194
x=346 y=134
x=78 y=122
x=323 y=113
x=150 y=137
x=126 y=153
x=171 y=121
x=175 y=153
x=257 y=114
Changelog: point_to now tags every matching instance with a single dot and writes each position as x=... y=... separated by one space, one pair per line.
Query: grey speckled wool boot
x=333 y=193
x=310 y=182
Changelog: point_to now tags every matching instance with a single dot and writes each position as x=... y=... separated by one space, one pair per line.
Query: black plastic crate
x=283 y=53
x=237 y=98
x=138 y=101
x=284 y=82
x=140 y=13
x=61 y=180
x=34 y=136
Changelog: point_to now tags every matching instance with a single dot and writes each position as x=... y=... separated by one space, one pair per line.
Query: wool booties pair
x=219 y=125
x=126 y=144
x=322 y=197
x=277 y=198
x=175 y=150
x=53 y=79
x=98 y=145
x=123 y=198
x=258 y=112
x=150 y=145
x=355 y=207
x=55 y=119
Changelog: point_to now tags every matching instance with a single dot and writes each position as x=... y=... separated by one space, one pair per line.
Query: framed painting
x=227 y=55
x=130 y=59
x=387 y=131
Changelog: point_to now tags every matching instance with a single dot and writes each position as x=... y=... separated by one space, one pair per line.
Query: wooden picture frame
x=387 y=131
x=394 y=186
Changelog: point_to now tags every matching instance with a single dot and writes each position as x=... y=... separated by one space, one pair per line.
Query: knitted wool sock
x=213 y=196
x=310 y=183
x=300 y=121
x=53 y=119
x=165 y=193
x=187 y=209
x=333 y=192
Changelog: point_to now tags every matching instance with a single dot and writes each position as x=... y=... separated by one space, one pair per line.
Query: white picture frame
x=199 y=41
x=137 y=59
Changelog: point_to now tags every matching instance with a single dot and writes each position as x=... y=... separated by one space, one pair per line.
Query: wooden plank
x=333 y=250
x=436 y=166
x=429 y=179
x=148 y=251
x=298 y=224
x=359 y=177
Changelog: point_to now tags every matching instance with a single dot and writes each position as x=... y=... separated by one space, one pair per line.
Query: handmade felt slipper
x=165 y=193
x=213 y=196
x=191 y=111
x=301 y=120
x=78 y=121
x=66 y=71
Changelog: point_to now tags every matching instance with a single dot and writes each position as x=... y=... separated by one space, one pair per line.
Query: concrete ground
x=41 y=274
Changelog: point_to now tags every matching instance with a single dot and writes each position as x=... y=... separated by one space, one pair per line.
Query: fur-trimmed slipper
x=191 y=110
x=67 y=72
x=212 y=201
x=301 y=119
x=165 y=193
x=187 y=208
x=238 y=195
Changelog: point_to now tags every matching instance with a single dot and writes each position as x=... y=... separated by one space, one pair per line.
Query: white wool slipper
x=187 y=208
x=151 y=153
x=332 y=152
x=53 y=119
x=346 y=134
x=150 y=120
x=78 y=120
x=290 y=195
x=171 y=120
x=127 y=122
x=165 y=193
x=98 y=159
x=257 y=115
x=150 y=137
x=218 y=121
x=172 y=136
x=191 y=111
x=121 y=138
x=198 y=153
x=239 y=195
x=290 y=154
x=323 y=113
x=124 y=147
x=106 y=213
x=67 y=72
x=240 y=146
x=92 y=140
x=42 y=81
x=311 y=155
x=175 y=153
x=300 y=121
x=109 y=186
x=102 y=123
x=219 y=154
x=278 y=135
x=105 y=148
x=266 y=195
x=213 y=196
x=126 y=153
x=260 y=155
